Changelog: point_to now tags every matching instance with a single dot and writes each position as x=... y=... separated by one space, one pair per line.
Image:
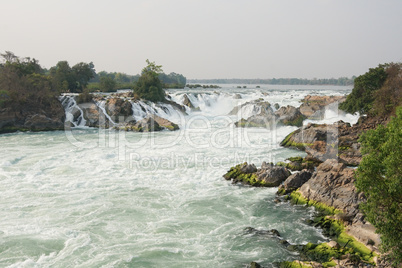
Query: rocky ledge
x=332 y=141
x=312 y=107
x=269 y=175
x=120 y=111
x=325 y=179
x=32 y=117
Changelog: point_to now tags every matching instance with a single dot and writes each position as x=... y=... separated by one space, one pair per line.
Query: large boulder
x=93 y=115
x=272 y=175
x=328 y=141
x=148 y=124
x=314 y=106
x=187 y=102
x=268 y=175
x=255 y=107
x=290 y=116
x=295 y=181
x=333 y=185
x=118 y=109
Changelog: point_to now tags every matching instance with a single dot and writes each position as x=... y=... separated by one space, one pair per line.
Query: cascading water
x=70 y=106
x=91 y=197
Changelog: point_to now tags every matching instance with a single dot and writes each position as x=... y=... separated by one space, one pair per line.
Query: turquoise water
x=100 y=198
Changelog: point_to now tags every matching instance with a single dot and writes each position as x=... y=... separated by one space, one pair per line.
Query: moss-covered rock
x=268 y=175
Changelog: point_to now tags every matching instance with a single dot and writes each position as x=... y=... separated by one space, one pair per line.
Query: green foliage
x=149 y=86
x=172 y=80
x=362 y=96
x=379 y=176
x=84 y=97
x=342 y=81
x=107 y=84
x=23 y=82
x=73 y=79
x=389 y=96
x=4 y=97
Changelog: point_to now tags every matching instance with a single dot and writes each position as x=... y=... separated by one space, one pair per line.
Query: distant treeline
x=105 y=81
x=342 y=81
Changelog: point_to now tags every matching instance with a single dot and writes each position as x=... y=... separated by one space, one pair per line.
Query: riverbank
x=323 y=179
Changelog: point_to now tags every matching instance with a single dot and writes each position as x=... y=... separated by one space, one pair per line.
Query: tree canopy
x=379 y=176
x=22 y=81
x=74 y=79
x=149 y=86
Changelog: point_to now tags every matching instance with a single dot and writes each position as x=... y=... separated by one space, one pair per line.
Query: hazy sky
x=208 y=38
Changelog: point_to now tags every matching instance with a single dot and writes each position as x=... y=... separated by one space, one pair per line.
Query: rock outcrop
x=269 y=175
x=119 y=109
x=295 y=181
x=32 y=117
x=313 y=107
x=93 y=115
x=290 y=116
x=148 y=124
x=333 y=185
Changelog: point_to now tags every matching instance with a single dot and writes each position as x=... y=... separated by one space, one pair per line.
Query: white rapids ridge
x=101 y=198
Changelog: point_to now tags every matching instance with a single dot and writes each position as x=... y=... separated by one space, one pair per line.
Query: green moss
x=293 y=264
x=343 y=148
x=298 y=122
x=288 y=143
x=296 y=159
x=336 y=230
x=297 y=198
x=237 y=175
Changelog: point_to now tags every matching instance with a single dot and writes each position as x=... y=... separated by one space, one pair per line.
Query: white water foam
x=145 y=199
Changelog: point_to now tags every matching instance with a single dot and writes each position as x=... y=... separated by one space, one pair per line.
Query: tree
x=83 y=72
x=149 y=86
x=389 y=96
x=74 y=79
x=362 y=96
x=107 y=84
x=379 y=176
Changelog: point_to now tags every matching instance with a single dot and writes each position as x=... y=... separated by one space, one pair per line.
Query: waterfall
x=70 y=107
x=101 y=105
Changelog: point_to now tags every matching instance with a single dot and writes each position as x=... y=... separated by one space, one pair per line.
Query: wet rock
x=255 y=265
x=164 y=123
x=268 y=175
x=295 y=181
x=333 y=185
x=118 y=109
x=237 y=96
x=313 y=107
x=187 y=102
x=290 y=116
x=94 y=116
x=248 y=168
x=272 y=175
x=148 y=124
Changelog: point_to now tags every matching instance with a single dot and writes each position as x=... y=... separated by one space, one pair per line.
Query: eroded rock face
x=148 y=124
x=33 y=117
x=187 y=102
x=290 y=116
x=272 y=175
x=327 y=141
x=333 y=184
x=314 y=106
x=118 y=109
x=268 y=175
x=94 y=116
x=295 y=181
